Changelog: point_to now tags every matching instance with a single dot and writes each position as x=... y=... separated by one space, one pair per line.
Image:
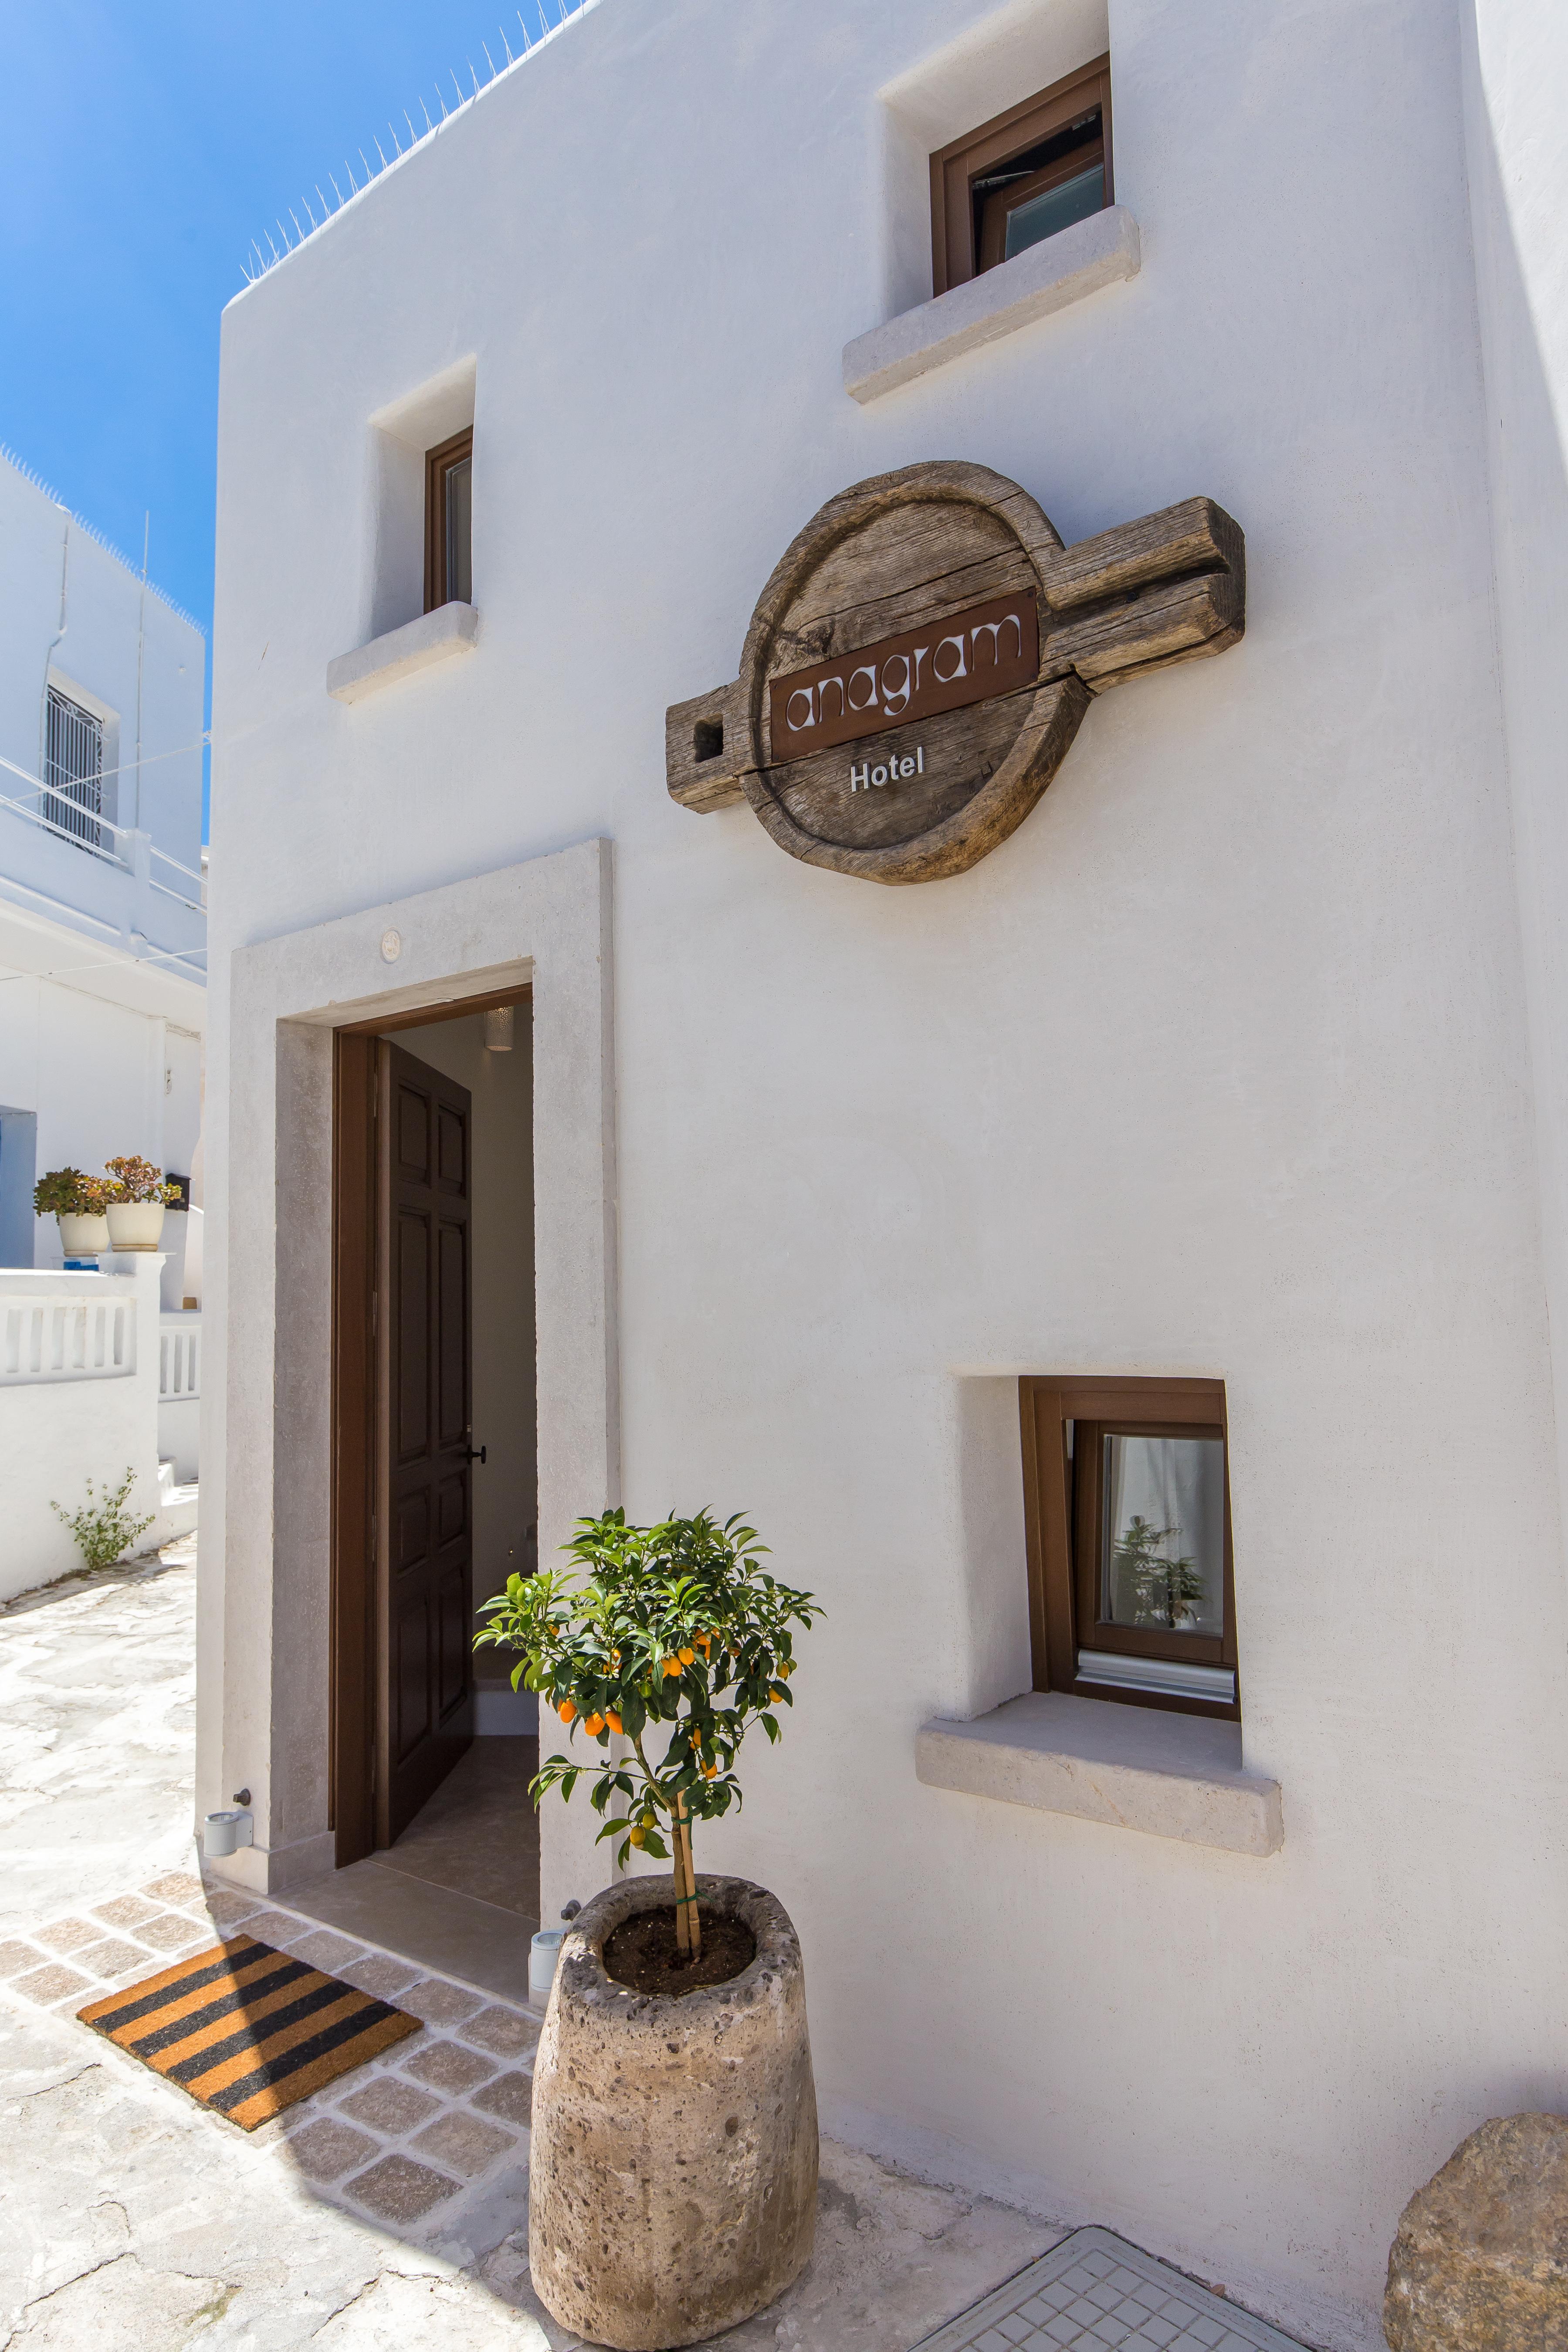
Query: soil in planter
x=642 y=1951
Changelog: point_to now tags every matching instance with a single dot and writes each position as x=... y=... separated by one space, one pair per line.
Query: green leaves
x=677 y=1625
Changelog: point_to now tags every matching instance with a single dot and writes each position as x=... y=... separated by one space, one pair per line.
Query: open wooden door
x=424 y=1525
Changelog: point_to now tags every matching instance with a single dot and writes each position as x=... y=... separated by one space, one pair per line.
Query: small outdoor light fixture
x=543 y=1954
x=226 y=1830
x=499 y=1029
x=391 y=946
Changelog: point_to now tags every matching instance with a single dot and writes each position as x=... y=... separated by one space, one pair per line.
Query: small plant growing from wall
x=670 y=1641
x=104 y=1529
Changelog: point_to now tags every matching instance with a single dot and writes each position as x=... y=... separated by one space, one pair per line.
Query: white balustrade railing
x=64 y=1335
x=179 y=1357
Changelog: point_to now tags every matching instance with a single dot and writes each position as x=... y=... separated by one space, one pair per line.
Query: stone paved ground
x=388 y=2211
x=97 y=1693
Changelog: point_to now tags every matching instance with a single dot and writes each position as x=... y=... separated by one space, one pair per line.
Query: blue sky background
x=146 y=142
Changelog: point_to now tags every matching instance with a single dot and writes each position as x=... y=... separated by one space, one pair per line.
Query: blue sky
x=146 y=142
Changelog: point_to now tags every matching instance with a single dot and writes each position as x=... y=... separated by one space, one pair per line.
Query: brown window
x=448 y=521
x=1021 y=177
x=1126 y=1509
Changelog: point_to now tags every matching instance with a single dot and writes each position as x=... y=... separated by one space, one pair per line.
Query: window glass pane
x=1056 y=208
x=1162 y=1520
x=459 y=493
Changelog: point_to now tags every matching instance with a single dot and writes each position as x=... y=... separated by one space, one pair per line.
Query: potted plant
x=673 y=2161
x=76 y=1202
x=137 y=1201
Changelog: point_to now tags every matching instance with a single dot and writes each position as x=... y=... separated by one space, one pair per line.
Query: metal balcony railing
x=122 y=846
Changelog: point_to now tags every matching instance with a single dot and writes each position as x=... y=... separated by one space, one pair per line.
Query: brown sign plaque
x=992 y=649
x=936 y=610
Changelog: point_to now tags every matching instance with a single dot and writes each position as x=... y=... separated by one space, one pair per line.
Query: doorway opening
x=435 y=1484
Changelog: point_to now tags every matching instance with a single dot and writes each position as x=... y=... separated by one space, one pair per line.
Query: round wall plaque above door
x=919 y=664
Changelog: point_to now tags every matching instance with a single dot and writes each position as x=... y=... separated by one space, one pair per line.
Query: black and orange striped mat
x=246 y=2030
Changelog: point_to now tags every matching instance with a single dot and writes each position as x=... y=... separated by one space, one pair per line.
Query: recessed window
x=449 y=522
x=1021 y=177
x=1127 y=1502
x=73 y=769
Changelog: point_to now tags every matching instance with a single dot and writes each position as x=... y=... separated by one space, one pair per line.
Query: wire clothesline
x=120 y=769
x=110 y=963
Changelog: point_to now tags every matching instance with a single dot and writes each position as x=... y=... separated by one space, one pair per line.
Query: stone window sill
x=1059 y=270
x=433 y=637
x=1134 y=1767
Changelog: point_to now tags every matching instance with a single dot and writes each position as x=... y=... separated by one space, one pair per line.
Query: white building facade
x=1235 y=1065
x=102 y=1013
x=102 y=924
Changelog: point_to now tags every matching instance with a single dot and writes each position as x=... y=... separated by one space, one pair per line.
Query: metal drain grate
x=1094 y=2293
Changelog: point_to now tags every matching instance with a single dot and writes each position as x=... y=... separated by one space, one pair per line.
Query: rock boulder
x=1479 y=2263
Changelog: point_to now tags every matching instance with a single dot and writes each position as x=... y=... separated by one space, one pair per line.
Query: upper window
x=73 y=769
x=1127 y=1503
x=1021 y=177
x=448 y=521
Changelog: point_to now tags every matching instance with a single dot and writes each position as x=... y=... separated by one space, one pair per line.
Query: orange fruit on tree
x=672 y=1665
x=612 y=1718
x=686 y=1656
x=593 y=1724
x=566 y=1710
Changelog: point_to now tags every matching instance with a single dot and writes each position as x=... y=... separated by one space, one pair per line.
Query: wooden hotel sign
x=919 y=664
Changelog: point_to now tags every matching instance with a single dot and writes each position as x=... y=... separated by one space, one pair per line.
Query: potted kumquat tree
x=673 y=2079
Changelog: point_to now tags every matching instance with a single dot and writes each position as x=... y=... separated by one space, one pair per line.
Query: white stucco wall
x=1516 y=58
x=1222 y=1066
x=57 y=1435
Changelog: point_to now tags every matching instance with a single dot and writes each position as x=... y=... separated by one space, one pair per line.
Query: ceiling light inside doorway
x=497 y=1029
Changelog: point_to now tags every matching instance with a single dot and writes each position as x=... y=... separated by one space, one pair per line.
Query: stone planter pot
x=672 y=2175
x=135 y=1224
x=82 y=1236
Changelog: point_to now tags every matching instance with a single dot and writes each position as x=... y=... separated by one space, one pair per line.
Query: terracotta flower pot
x=135 y=1224
x=672 y=2173
x=82 y=1236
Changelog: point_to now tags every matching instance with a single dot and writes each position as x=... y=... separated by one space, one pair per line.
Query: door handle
x=476 y=1453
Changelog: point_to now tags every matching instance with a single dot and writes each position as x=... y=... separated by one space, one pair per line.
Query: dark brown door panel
x=425 y=1567
x=411 y=1546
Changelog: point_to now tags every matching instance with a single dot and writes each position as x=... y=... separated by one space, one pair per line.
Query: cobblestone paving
x=438 y=2119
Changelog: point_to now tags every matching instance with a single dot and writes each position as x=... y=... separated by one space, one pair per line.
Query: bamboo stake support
x=688 y=1924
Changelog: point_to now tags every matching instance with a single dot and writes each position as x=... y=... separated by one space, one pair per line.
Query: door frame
x=264 y=1614
x=358 y=1411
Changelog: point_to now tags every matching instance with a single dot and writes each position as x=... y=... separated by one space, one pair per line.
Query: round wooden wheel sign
x=920 y=662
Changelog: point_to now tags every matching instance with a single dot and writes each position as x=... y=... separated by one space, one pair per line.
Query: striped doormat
x=246 y=2030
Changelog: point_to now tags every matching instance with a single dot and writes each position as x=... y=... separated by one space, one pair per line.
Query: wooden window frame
x=1061 y=1531
x=955 y=168
x=438 y=465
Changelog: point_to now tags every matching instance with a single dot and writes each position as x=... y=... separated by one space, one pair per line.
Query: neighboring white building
x=1240 y=1064
x=102 y=1010
x=102 y=925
